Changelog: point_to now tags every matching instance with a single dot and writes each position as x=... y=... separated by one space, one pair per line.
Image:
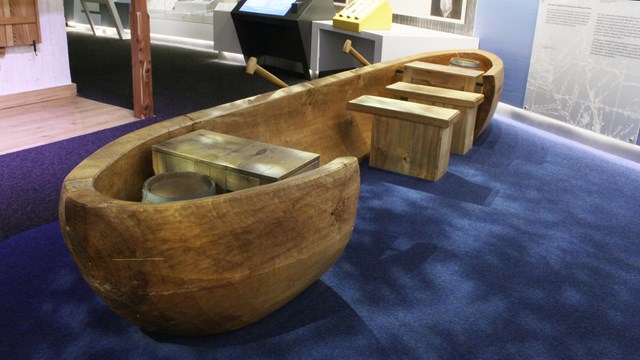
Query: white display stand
x=225 y=37
x=377 y=45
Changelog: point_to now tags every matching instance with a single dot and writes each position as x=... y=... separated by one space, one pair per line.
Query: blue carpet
x=31 y=179
x=527 y=248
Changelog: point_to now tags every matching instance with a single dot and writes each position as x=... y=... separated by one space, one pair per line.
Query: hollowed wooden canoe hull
x=219 y=263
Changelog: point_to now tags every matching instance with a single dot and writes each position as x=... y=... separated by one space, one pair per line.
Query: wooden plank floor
x=49 y=121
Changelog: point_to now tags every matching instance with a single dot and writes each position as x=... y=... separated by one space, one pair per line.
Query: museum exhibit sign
x=585 y=66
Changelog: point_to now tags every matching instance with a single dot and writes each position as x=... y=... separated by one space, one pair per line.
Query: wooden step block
x=402 y=110
x=407 y=137
x=450 y=77
x=463 y=101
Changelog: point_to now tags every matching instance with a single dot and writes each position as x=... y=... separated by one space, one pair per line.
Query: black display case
x=279 y=28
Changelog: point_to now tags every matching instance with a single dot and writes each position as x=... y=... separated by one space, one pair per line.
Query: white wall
x=506 y=28
x=22 y=70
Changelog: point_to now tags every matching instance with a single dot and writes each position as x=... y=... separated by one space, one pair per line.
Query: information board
x=585 y=65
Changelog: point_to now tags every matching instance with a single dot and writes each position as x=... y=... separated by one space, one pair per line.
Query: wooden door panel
x=19 y=23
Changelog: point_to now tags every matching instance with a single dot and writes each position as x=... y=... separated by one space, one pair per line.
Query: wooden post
x=141 y=60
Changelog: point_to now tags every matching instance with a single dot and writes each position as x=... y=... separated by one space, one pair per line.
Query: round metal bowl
x=465 y=63
x=175 y=186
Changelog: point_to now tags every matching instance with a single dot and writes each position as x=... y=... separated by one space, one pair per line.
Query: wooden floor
x=45 y=122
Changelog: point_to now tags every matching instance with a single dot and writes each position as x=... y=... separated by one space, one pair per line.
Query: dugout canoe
x=219 y=263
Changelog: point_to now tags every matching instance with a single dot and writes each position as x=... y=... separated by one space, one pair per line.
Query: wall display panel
x=454 y=16
x=585 y=65
x=453 y=11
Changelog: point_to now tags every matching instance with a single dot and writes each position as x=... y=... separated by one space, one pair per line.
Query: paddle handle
x=253 y=67
x=348 y=49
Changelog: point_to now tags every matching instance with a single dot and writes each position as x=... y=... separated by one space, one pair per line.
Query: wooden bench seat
x=450 y=77
x=463 y=101
x=407 y=137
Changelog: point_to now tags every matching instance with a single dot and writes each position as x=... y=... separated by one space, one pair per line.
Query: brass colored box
x=233 y=162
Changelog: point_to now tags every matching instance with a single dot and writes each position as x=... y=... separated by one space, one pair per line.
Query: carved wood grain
x=141 y=60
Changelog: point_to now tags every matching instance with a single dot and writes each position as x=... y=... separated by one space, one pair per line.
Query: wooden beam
x=36 y=96
x=141 y=60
